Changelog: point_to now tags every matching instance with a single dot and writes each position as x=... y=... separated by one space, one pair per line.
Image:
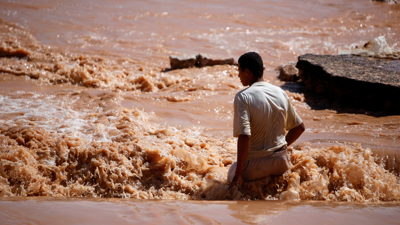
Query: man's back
x=264 y=112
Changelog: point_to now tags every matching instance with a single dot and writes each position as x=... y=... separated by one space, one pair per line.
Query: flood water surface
x=87 y=109
x=65 y=211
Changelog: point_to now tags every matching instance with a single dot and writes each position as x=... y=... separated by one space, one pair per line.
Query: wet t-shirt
x=263 y=111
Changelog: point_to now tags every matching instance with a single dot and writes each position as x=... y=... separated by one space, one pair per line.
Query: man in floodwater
x=262 y=116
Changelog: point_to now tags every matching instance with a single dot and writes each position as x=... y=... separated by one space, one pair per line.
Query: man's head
x=251 y=68
x=253 y=62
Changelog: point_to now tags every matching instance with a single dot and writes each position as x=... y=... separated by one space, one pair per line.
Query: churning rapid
x=76 y=127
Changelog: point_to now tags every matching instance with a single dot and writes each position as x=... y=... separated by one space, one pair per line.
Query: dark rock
x=204 y=61
x=185 y=61
x=387 y=1
x=288 y=72
x=182 y=61
x=357 y=82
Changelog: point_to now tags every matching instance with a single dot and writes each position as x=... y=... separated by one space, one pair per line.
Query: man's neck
x=256 y=80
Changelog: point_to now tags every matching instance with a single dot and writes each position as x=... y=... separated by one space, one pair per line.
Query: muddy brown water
x=86 y=112
x=117 y=211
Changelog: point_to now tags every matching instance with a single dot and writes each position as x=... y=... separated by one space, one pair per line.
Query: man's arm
x=243 y=146
x=294 y=134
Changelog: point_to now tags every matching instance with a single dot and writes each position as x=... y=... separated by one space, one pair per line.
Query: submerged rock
x=369 y=84
x=182 y=61
x=188 y=61
x=387 y=1
x=204 y=61
x=288 y=72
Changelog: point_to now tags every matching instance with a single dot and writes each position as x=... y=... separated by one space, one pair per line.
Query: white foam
x=53 y=115
x=377 y=47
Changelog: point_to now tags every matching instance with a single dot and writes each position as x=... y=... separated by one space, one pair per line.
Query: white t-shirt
x=263 y=111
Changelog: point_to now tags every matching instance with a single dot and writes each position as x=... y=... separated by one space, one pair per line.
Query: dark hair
x=253 y=62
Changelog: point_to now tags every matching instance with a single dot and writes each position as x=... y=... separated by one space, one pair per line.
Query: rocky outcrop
x=288 y=72
x=358 y=82
x=187 y=61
